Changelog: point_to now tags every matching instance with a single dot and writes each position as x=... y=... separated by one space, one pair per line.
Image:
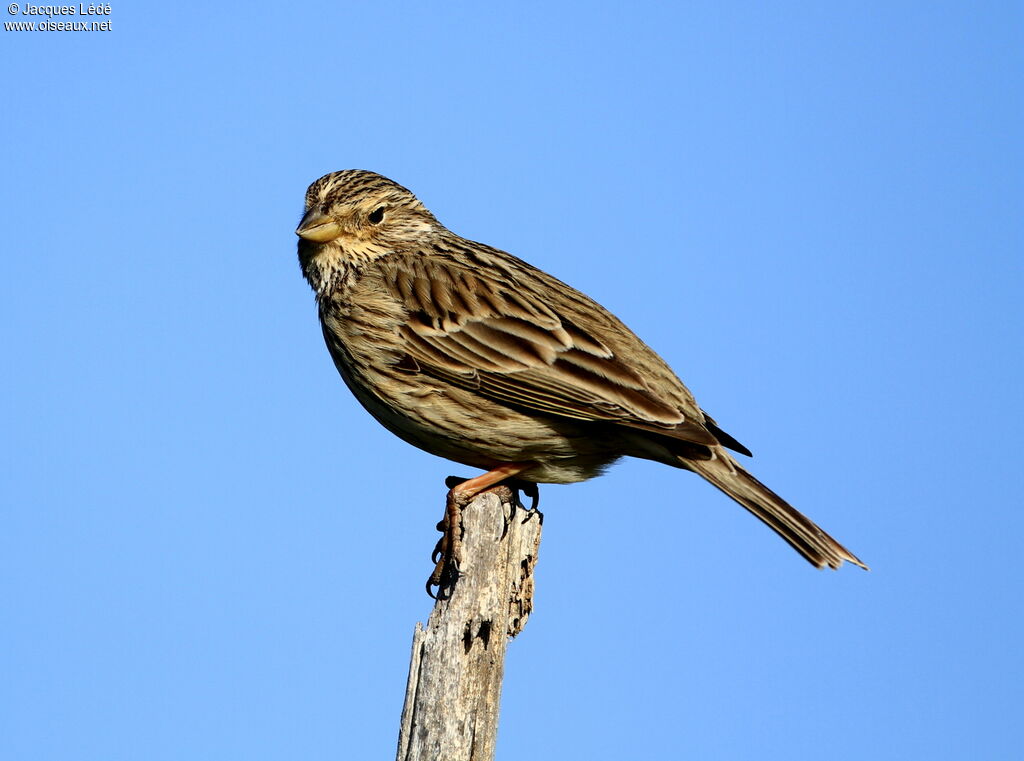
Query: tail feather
x=801 y=532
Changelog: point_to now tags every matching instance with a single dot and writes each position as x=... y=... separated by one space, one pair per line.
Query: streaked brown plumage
x=472 y=354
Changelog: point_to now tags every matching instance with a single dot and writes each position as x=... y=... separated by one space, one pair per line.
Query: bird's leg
x=508 y=491
x=448 y=553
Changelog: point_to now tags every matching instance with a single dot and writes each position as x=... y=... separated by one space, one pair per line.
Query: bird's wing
x=521 y=337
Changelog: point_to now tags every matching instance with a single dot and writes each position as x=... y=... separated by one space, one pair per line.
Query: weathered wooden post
x=458 y=659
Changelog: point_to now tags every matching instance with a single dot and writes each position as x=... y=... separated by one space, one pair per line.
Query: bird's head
x=354 y=216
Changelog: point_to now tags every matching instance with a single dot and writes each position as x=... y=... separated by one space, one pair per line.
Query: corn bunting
x=469 y=353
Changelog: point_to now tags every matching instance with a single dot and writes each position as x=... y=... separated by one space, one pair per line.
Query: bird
x=472 y=354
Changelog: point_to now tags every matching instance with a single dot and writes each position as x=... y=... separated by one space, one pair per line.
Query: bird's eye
x=376 y=216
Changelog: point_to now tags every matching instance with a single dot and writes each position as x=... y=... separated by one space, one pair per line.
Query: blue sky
x=811 y=210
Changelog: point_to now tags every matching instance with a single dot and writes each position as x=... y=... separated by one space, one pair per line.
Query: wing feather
x=490 y=331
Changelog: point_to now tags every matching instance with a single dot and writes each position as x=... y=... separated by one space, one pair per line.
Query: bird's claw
x=447 y=553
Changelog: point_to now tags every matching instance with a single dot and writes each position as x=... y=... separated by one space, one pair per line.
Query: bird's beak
x=318 y=227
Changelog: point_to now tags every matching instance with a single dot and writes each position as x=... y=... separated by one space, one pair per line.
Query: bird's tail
x=796 y=528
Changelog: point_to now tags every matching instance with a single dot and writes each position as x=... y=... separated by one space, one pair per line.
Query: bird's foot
x=447 y=554
x=508 y=490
